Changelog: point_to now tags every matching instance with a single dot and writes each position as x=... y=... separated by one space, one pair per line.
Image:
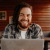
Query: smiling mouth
x=24 y=20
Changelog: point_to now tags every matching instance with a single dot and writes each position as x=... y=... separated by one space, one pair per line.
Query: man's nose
x=25 y=17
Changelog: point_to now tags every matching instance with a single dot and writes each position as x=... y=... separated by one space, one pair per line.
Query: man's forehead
x=25 y=11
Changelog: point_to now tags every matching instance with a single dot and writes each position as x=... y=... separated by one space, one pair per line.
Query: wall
x=41 y=16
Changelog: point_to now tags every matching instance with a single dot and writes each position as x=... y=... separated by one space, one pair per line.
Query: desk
x=46 y=41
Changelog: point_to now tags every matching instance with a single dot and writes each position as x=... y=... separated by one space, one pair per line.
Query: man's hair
x=17 y=12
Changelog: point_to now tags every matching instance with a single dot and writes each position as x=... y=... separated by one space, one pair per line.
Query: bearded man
x=22 y=26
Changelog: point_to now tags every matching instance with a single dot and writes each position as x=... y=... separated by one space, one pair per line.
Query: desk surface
x=47 y=39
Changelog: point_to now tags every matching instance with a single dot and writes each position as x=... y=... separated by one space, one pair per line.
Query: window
x=3 y=15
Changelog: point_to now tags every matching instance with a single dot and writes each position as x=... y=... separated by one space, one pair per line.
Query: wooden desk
x=46 y=41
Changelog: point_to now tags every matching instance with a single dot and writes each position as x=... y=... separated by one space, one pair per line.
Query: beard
x=24 y=23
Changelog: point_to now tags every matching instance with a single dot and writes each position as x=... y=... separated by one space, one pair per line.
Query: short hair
x=17 y=12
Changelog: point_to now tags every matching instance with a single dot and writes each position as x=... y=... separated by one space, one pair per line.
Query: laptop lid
x=22 y=44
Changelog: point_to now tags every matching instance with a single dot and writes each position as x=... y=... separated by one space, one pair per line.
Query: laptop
x=22 y=44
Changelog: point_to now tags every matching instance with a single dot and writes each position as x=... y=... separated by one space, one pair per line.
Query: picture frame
x=3 y=15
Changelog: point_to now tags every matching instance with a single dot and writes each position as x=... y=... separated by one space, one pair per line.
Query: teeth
x=25 y=22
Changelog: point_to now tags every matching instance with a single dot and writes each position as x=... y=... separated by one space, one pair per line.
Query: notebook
x=22 y=44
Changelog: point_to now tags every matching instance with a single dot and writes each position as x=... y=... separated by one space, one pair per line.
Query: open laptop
x=22 y=44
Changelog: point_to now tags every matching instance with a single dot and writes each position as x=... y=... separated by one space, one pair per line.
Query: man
x=22 y=26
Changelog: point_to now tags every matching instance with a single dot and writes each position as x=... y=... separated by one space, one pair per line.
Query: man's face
x=25 y=17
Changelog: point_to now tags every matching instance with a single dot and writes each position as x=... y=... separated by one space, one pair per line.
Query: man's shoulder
x=35 y=25
x=9 y=25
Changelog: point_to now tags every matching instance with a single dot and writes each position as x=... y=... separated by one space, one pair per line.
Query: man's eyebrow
x=21 y=13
